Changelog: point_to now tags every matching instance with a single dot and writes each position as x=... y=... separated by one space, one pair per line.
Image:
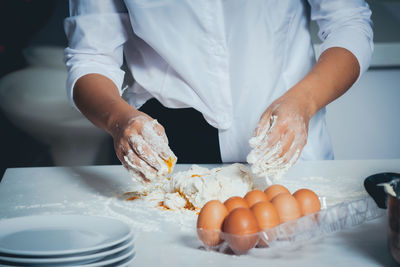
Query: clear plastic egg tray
x=329 y=219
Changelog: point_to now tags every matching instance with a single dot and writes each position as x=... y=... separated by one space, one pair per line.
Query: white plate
x=120 y=259
x=72 y=260
x=124 y=263
x=127 y=254
x=60 y=235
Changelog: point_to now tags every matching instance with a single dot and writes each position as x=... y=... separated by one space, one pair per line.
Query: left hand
x=277 y=146
x=280 y=135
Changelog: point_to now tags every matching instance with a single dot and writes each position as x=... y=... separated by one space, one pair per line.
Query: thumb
x=264 y=124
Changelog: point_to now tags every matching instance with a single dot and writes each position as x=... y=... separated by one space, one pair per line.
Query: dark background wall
x=24 y=23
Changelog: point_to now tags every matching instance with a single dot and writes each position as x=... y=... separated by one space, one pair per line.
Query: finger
x=270 y=158
x=138 y=176
x=120 y=151
x=273 y=154
x=293 y=154
x=287 y=141
x=266 y=165
x=144 y=151
x=288 y=148
x=266 y=146
x=154 y=135
x=293 y=143
x=134 y=173
x=273 y=160
x=135 y=163
x=263 y=125
x=271 y=138
x=160 y=131
x=157 y=140
x=265 y=122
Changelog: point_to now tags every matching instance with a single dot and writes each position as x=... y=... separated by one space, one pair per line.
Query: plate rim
x=71 y=260
x=128 y=254
x=66 y=252
x=125 y=261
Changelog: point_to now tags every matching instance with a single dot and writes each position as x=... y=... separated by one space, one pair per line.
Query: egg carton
x=328 y=220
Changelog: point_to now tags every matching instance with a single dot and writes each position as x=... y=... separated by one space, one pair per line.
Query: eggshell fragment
x=308 y=201
x=287 y=207
x=240 y=229
x=255 y=196
x=235 y=202
x=209 y=222
x=274 y=190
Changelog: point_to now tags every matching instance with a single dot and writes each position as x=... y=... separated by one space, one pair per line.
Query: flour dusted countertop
x=168 y=238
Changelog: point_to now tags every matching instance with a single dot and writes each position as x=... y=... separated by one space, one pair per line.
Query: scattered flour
x=334 y=190
x=141 y=215
x=193 y=188
x=196 y=186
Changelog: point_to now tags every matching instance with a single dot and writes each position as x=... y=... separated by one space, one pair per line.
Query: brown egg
x=308 y=201
x=266 y=214
x=267 y=217
x=255 y=196
x=287 y=207
x=209 y=222
x=240 y=229
x=235 y=202
x=274 y=190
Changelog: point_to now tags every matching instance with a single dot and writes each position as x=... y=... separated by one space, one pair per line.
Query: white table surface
x=84 y=190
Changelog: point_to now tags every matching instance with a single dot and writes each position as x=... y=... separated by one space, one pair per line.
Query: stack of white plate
x=65 y=240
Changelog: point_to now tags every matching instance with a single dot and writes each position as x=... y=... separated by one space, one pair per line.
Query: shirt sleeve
x=346 y=24
x=96 y=31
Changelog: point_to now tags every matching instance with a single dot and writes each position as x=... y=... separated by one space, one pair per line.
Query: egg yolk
x=170 y=162
x=189 y=205
x=132 y=198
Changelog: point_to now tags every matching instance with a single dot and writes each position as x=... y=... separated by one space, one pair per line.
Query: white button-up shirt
x=229 y=59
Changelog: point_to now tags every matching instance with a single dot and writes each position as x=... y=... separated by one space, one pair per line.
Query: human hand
x=142 y=147
x=279 y=137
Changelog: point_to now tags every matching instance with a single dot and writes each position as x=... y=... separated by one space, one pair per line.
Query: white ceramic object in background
x=35 y=100
x=45 y=57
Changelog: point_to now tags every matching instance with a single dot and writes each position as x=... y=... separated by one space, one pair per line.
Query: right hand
x=142 y=147
x=139 y=141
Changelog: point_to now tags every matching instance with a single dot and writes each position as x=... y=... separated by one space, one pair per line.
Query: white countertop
x=161 y=241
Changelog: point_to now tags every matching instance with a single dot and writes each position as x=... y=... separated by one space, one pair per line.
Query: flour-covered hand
x=279 y=137
x=142 y=147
